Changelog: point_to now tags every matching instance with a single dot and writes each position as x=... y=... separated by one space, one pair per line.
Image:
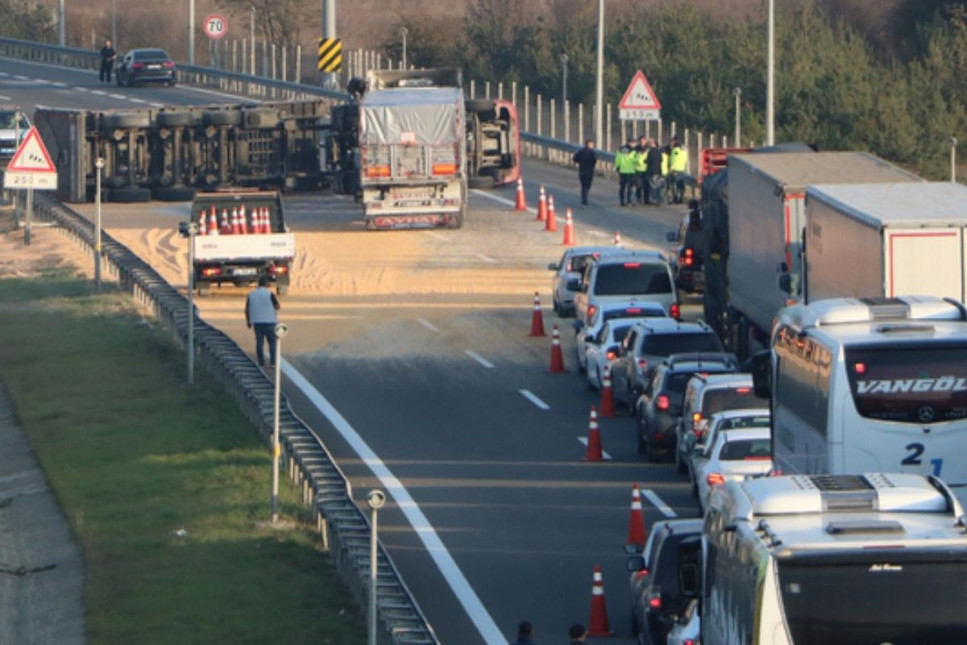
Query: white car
x=717 y=423
x=14 y=125
x=736 y=455
x=614 y=311
x=568 y=272
x=602 y=347
x=687 y=630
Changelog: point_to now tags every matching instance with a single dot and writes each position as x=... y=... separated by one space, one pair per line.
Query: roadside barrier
x=344 y=529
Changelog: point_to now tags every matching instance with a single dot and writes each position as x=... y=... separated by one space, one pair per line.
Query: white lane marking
x=4 y=74
x=428 y=324
x=99 y=92
x=530 y=396
x=79 y=89
x=157 y=105
x=604 y=454
x=657 y=503
x=5 y=98
x=136 y=100
x=58 y=84
x=502 y=200
x=480 y=359
x=598 y=233
x=442 y=238
x=421 y=525
x=20 y=77
x=486 y=258
x=120 y=97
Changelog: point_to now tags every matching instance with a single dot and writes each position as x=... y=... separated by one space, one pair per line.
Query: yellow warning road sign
x=330 y=54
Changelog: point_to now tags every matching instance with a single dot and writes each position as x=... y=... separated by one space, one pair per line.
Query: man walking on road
x=107 y=60
x=260 y=311
x=586 y=159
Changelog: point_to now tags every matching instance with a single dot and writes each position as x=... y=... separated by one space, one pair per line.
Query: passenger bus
x=862 y=385
x=834 y=560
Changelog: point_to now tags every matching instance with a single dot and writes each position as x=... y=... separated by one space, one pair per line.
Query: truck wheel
x=282 y=289
x=480 y=105
x=131 y=194
x=260 y=118
x=175 y=119
x=455 y=221
x=222 y=117
x=204 y=289
x=480 y=182
x=125 y=121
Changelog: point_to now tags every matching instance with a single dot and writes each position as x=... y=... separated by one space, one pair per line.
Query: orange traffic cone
x=607 y=394
x=226 y=225
x=557 y=358
x=267 y=221
x=521 y=204
x=213 y=223
x=537 y=318
x=542 y=206
x=203 y=223
x=617 y=238
x=598 y=625
x=595 y=452
x=636 y=522
x=243 y=220
x=236 y=228
x=551 y=223
x=568 y=229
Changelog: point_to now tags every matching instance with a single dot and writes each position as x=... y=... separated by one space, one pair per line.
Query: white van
x=640 y=276
x=834 y=560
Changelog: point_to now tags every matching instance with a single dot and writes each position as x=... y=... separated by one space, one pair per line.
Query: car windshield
x=730 y=423
x=8 y=121
x=633 y=279
x=667 y=344
x=876 y=597
x=745 y=449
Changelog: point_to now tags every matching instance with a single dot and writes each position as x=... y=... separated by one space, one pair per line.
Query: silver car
x=567 y=274
x=585 y=335
x=718 y=423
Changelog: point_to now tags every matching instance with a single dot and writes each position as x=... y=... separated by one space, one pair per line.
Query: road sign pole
x=27 y=214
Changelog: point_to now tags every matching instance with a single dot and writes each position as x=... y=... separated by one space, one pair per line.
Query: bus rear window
x=633 y=279
x=909 y=384
x=877 y=598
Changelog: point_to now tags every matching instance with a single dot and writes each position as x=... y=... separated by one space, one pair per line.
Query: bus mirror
x=761 y=373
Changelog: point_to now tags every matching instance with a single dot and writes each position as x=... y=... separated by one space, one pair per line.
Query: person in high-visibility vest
x=625 y=161
x=641 y=165
x=677 y=169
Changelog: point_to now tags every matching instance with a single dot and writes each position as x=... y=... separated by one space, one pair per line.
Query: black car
x=140 y=66
x=659 y=408
x=689 y=266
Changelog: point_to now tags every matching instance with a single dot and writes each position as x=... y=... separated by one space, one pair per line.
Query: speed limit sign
x=216 y=26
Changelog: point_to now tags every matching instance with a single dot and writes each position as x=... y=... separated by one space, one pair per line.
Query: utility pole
x=599 y=82
x=771 y=78
x=329 y=31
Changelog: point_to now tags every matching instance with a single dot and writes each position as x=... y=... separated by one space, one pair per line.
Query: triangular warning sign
x=639 y=95
x=32 y=155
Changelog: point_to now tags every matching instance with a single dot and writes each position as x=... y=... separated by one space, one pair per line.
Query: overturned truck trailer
x=167 y=154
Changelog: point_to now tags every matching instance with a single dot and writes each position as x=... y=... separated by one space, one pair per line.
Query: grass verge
x=134 y=455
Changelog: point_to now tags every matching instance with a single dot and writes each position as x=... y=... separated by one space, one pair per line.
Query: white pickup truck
x=242 y=235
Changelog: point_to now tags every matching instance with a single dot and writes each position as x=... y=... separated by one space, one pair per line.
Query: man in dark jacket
x=107 y=61
x=654 y=174
x=586 y=159
x=525 y=634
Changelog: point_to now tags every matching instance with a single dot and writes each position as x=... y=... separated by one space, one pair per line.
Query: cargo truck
x=876 y=240
x=242 y=235
x=766 y=218
x=412 y=149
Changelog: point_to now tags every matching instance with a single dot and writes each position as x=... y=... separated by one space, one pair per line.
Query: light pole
x=599 y=82
x=564 y=79
x=251 y=29
x=771 y=78
x=188 y=230
x=280 y=332
x=60 y=23
x=114 y=23
x=99 y=165
x=738 y=117
x=191 y=32
x=953 y=159
x=376 y=499
x=403 y=33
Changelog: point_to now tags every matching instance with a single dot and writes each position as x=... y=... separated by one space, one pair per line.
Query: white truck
x=242 y=235
x=412 y=149
x=766 y=218
x=876 y=240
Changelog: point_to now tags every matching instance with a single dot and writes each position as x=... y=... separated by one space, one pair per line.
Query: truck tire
x=125 y=121
x=131 y=194
x=204 y=289
x=282 y=289
x=260 y=118
x=222 y=117
x=176 y=119
x=173 y=194
x=479 y=181
x=456 y=220
x=480 y=105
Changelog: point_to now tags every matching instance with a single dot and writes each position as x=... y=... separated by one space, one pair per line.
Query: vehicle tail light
x=611 y=355
x=137 y=65
x=633 y=311
x=775 y=472
x=675 y=311
x=643 y=573
x=632 y=265
x=654 y=597
x=689 y=258
x=715 y=479
x=168 y=64
x=662 y=402
x=860 y=368
x=278 y=269
x=592 y=309
x=696 y=419
x=743 y=390
x=642 y=364
x=378 y=171
x=689 y=641
x=211 y=271
x=445 y=168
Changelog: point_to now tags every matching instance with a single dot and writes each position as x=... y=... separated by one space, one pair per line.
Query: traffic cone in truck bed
x=213 y=223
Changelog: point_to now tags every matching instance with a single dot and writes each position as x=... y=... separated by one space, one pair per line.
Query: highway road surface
x=409 y=355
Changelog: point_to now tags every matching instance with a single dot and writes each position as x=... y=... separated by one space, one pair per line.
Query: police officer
x=625 y=162
x=677 y=169
x=641 y=165
x=107 y=61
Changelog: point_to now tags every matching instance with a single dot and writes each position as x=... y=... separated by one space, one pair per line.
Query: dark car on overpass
x=140 y=66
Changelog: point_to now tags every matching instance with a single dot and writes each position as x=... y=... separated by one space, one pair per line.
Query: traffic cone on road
x=598 y=625
x=213 y=223
x=595 y=452
x=537 y=318
x=557 y=358
x=542 y=206
x=521 y=204
x=636 y=521
x=551 y=223
x=568 y=229
x=607 y=394
x=617 y=238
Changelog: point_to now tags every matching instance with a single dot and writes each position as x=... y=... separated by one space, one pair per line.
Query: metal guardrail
x=344 y=528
